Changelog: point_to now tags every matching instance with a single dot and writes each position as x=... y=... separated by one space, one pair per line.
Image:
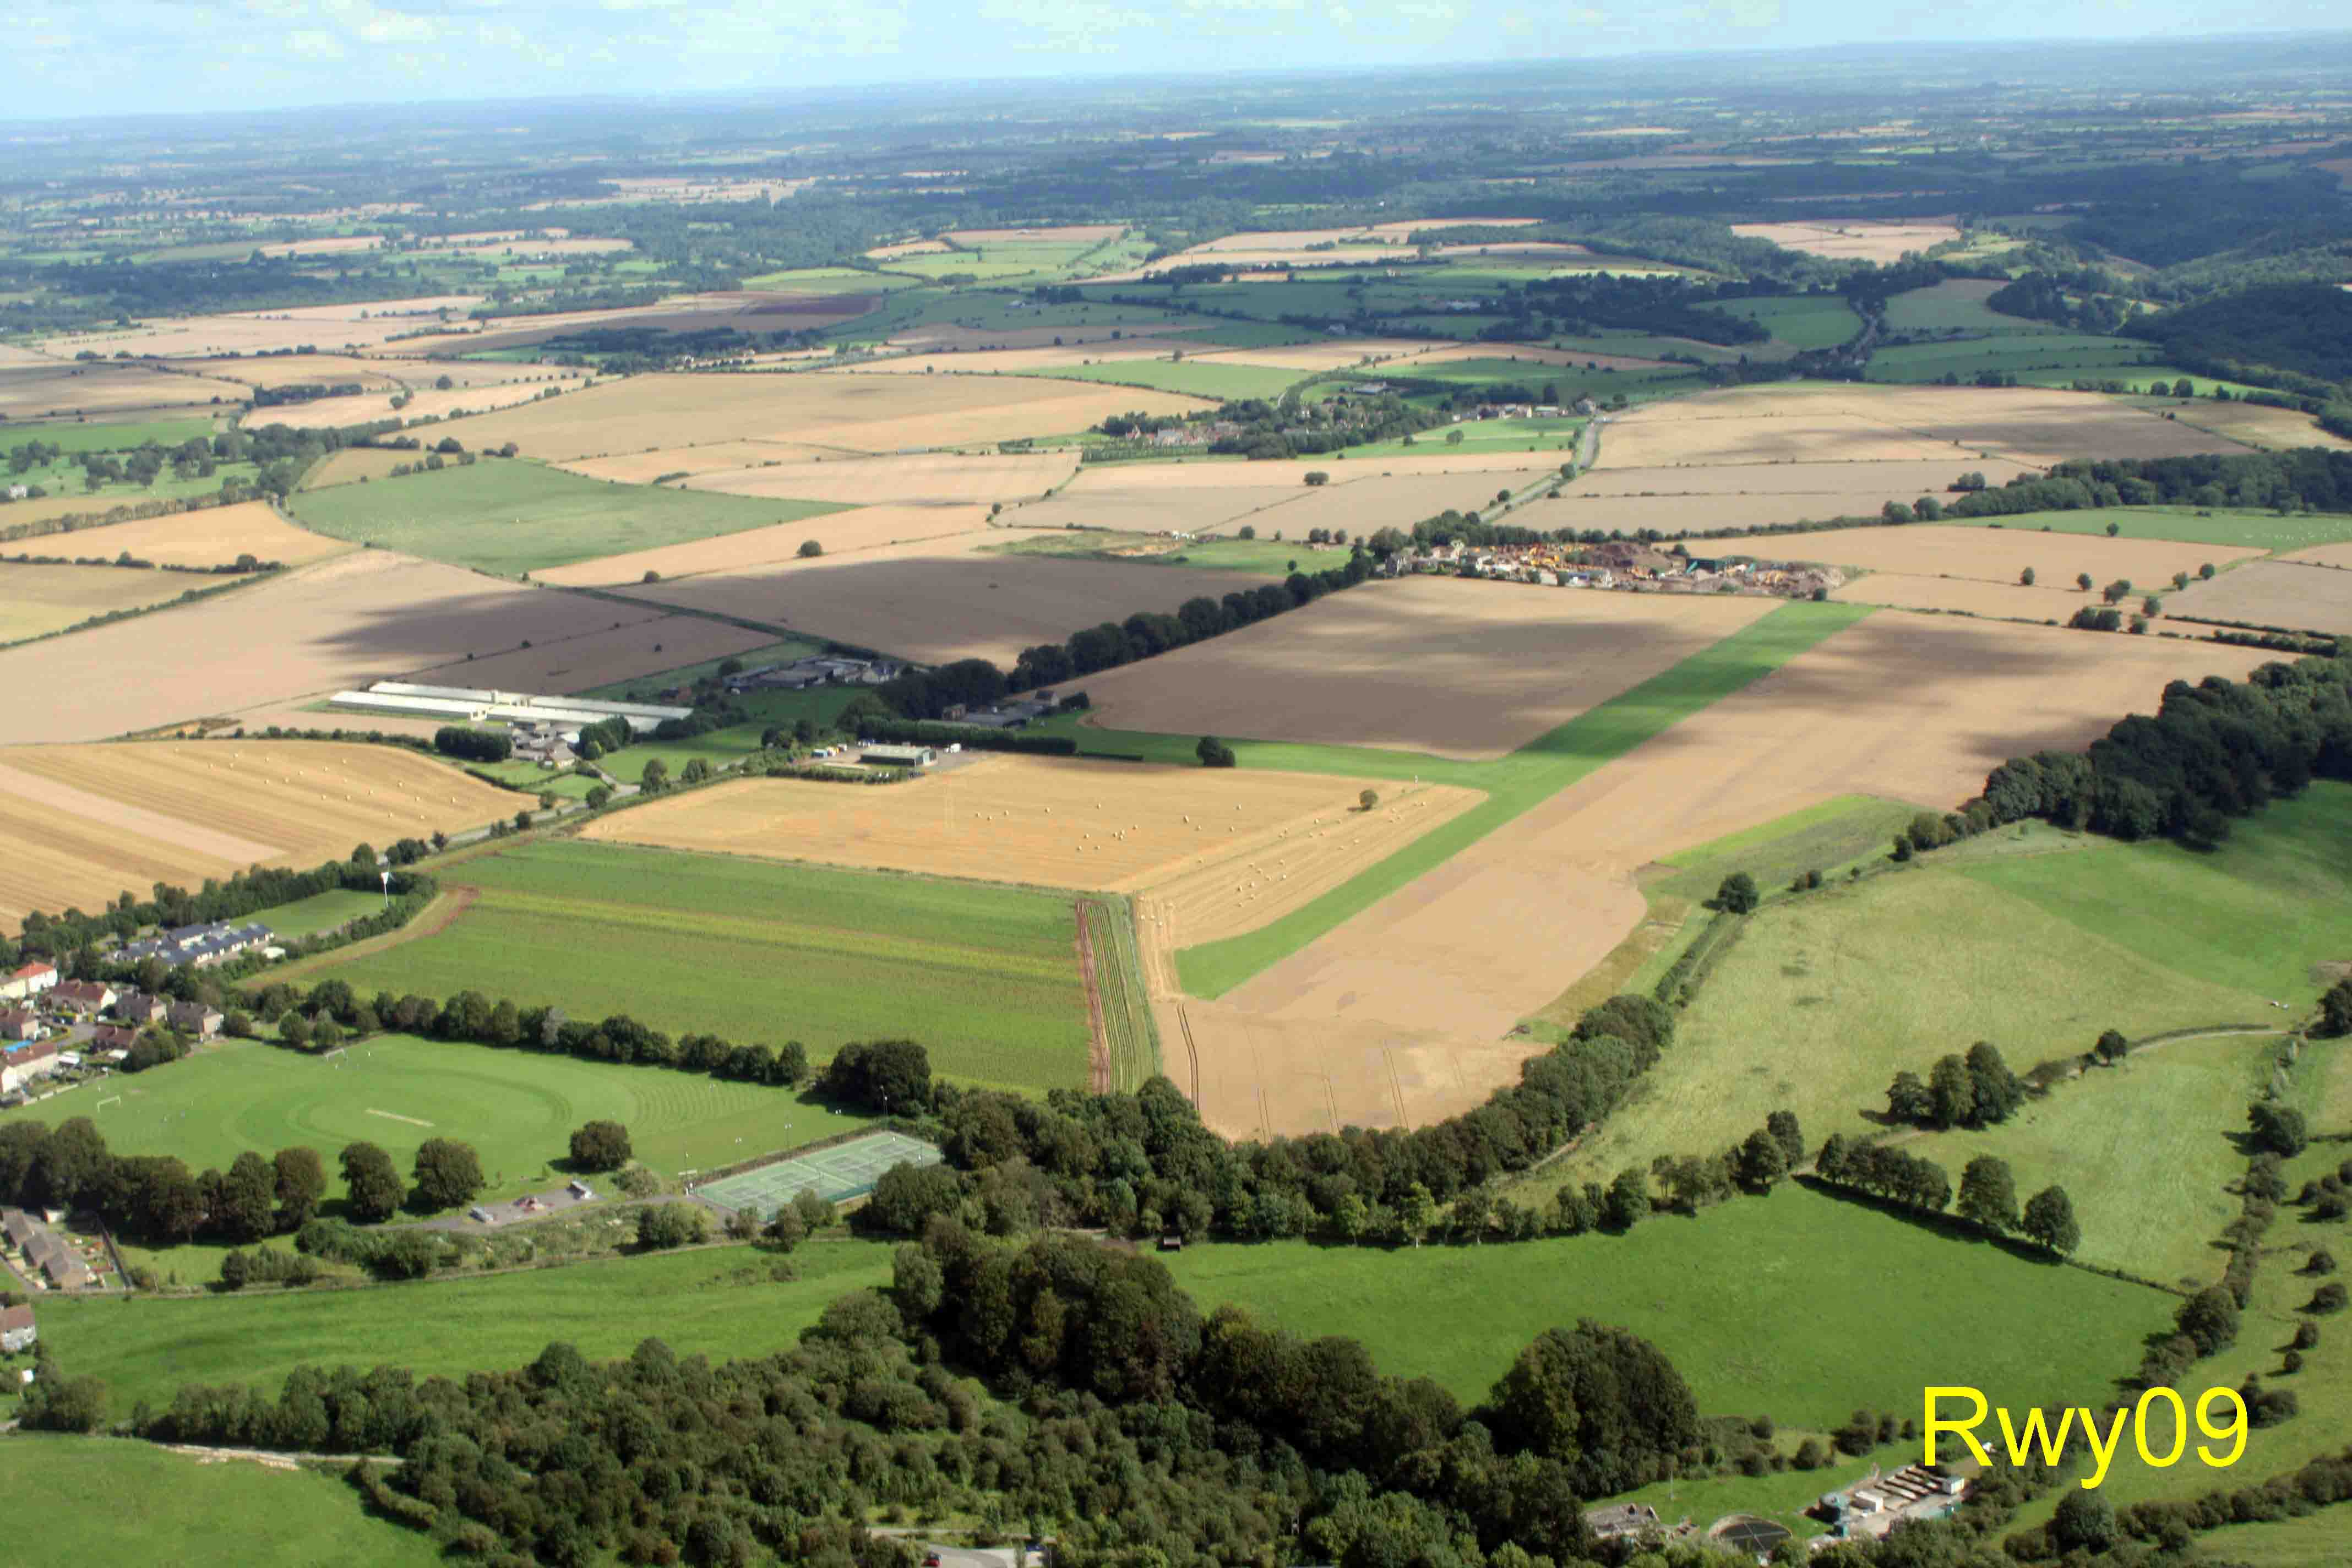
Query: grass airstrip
x=985 y=977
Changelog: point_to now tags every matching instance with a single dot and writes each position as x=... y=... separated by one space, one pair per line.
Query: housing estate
x=198 y=944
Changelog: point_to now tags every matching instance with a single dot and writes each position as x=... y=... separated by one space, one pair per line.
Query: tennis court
x=844 y=1170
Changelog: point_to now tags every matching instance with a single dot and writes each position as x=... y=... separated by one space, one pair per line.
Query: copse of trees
x=1974 y=1090
x=472 y=745
x=2213 y=750
x=156 y=1199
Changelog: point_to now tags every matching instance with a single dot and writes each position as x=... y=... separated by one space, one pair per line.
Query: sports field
x=513 y=517
x=160 y=1507
x=985 y=977
x=518 y=1109
x=841 y=1171
x=719 y=1302
x=1814 y=1278
x=86 y=822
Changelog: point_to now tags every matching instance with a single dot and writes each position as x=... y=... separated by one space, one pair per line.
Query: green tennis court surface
x=844 y=1170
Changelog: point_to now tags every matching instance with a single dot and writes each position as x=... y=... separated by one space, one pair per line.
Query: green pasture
x=1199 y=377
x=1535 y=436
x=1227 y=335
x=150 y=1505
x=1822 y=999
x=985 y=311
x=121 y=436
x=518 y=1109
x=720 y=1302
x=1800 y=321
x=537 y=781
x=2066 y=354
x=2246 y=529
x=832 y=281
x=2147 y=1150
x=65 y=481
x=1764 y=1305
x=2257 y=915
x=319 y=912
x=1956 y=305
x=517 y=516
x=986 y=977
x=782 y=652
x=1520 y=781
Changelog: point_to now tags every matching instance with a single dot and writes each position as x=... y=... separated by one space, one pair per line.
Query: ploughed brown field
x=956 y=530
x=1827 y=422
x=1425 y=664
x=84 y=823
x=1233 y=848
x=936 y=601
x=1401 y=1015
x=856 y=413
x=367 y=616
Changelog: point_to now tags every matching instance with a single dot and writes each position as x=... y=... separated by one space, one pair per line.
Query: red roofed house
x=82 y=997
x=28 y=981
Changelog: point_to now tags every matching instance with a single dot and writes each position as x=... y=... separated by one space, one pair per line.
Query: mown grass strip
x=1519 y=782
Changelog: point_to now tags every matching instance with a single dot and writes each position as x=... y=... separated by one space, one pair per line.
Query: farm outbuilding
x=900 y=756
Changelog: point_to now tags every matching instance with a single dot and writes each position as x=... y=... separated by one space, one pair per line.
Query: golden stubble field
x=1403 y=1012
x=327 y=328
x=929 y=478
x=937 y=600
x=1235 y=847
x=362 y=616
x=208 y=536
x=2309 y=591
x=1879 y=240
x=1830 y=422
x=37 y=600
x=31 y=390
x=426 y=402
x=1436 y=665
x=1361 y=495
x=84 y=823
x=1031 y=360
x=935 y=531
x=2003 y=555
x=857 y=413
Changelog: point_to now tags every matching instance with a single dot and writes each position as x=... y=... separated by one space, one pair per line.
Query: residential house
x=112 y=1038
x=65 y=1271
x=18 y=1227
x=137 y=1007
x=28 y=981
x=18 y=1024
x=82 y=997
x=25 y=1061
x=17 y=1331
x=194 y=1018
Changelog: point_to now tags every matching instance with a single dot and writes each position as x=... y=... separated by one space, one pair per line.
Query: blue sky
x=76 y=58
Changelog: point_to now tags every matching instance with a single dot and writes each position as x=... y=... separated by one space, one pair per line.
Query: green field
x=516 y=517
x=319 y=912
x=1800 y=321
x=985 y=976
x=718 y=1302
x=1955 y=305
x=149 y=1505
x=1765 y=1305
x=1267 y=557
x=1825 y=838
x=1538 y=435
x=518 y=1109
x=1519 y=782
x=2189 y=525
x=106 y=438
x=1824 y=998
x=2033 y=357
x=531 y=776
x=1200 y=377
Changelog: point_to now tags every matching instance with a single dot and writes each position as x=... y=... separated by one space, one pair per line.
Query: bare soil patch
x=1823 y=422
x=210 y=536
x=93 y=820
x=910 y=247
x=1427 y=664
x=862 y=413
x=1497 y=931
x=2300 y=591
x=1061 y=823
x=1854 y=239
x=936 y=601
x=870 y=527
x=367 y=616
x=936 y=478
x=2275 y=429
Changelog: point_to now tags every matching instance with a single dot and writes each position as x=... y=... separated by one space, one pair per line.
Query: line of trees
x=2213 y=750
x=72 y=937
x=1988 y=1195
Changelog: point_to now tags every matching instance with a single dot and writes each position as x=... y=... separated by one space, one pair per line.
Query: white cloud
x=314 y=44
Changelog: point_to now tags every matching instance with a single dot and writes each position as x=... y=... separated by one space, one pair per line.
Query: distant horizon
x=161 y=59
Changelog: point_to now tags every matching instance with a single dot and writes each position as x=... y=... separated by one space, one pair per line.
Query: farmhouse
x=28 y=981
x=899 y=756
x=82 y=997
x=197 y=944
x=17 y=1331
